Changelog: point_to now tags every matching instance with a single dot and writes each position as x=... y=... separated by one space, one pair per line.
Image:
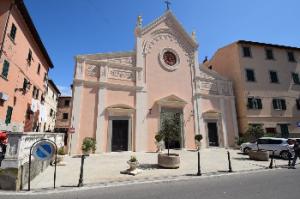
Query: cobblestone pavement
x=105 y=168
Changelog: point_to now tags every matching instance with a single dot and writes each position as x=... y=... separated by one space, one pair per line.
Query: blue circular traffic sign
x=43 y=150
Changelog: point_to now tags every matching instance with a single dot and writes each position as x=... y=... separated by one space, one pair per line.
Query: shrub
x=198 y=137
x=133 y=159
x=61 y=151
x=158 y=137
x=88 y=144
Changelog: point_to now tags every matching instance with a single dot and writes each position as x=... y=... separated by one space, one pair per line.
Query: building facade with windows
x=63 y=114
x=266 y=84
x=122 y=99
x=51 y=102
x=24 y=65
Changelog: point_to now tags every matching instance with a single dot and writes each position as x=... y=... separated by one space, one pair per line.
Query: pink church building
x=120 y=98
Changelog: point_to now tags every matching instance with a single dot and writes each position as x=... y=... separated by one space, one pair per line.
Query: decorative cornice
x=108 y=85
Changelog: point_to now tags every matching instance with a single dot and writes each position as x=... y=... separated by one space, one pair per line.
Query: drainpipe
x=5 y=28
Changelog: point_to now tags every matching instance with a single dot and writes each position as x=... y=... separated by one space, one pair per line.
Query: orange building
x=24 y=66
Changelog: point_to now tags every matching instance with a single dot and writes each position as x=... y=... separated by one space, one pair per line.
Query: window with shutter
x=298 y=104
x=259 y=104
x=273 y=77
x=291 y=56
x=295 y=77
x=250 y=105
x=5 y=69
x=283 y=104
x=13 y=32
x=29 y=57
x=250 y=75
x=246 y=51
x=269 y=54
x=275 y=105
x=8 y=115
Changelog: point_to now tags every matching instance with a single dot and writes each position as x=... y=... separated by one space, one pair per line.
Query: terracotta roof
x=267 y=44
x=23 y=10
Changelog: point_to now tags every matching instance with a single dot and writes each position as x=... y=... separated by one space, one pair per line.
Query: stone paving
x=105 y=168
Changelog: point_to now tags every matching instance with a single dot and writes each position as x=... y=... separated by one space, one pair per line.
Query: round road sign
x=44 y=150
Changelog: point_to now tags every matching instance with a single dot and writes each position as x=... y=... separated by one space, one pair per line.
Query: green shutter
x=259 y=103
x=13 y=31
x=283 y=104
x=5 y=69
x=8 y=115
x=250 y=104
x=275 y=104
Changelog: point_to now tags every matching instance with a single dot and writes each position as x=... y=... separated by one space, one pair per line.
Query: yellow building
x=266 y=84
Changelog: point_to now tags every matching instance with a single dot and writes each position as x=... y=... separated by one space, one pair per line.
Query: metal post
x=199 y=169
x=229 y=162
x=29 y=167
x=80 y=182
x=272 y=160
x=55 y=165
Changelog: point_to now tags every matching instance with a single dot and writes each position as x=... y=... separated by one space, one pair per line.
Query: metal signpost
x=42 y=150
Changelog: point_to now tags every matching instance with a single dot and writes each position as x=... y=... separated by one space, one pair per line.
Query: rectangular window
x=274 y=77
x=246 y=51
x=39 y=69
x=298 y=104
x=67 y=103
x=13 y=32
x=26 y=85
x=34 y=91
x=295 y=77
x=269 y=54
x=254 y=103
x=279 y=104
x=250 y=75
x=8 y=115
x=51 y=112
x=5 y=69
x=29 y=57
x=65 y=116
x=291 y=56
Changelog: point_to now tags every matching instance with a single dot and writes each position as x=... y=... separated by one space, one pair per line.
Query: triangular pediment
x=175 y=25
x=172 y=100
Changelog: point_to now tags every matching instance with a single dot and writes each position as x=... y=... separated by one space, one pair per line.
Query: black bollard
x=229 y=162
x=272 y=160
x=199 y=170
x=80 y=182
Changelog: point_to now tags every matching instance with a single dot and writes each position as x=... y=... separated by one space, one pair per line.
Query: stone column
x=234 y=117
x=76 y=107
x=224 y=119
x=201 y=125
x=100 y=119
x=141 y=105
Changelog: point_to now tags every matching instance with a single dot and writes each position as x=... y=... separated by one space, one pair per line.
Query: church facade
x=120 y=99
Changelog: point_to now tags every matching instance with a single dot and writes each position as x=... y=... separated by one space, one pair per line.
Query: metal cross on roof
x=168 y=3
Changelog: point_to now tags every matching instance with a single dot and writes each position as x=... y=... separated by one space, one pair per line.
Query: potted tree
x=88 y=145
x=198 y=139
x=253 y=134
x=170 y=131
x=159 y=142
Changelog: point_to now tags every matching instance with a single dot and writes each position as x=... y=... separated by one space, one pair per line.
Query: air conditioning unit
x=3 y=96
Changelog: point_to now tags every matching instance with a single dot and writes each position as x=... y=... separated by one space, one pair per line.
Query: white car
x=280 y=146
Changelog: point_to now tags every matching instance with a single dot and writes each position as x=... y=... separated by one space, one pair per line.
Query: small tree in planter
x=254 y=132
x=198 y=139
x=170 y=130
x=88 y=145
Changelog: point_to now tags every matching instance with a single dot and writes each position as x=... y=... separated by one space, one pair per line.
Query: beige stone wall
x=229 y=61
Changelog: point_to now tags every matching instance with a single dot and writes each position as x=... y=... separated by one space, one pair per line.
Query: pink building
x=24 y=65
x=120 y=98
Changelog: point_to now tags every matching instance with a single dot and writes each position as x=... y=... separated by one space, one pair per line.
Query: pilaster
x=100 y=119
x=224 y=124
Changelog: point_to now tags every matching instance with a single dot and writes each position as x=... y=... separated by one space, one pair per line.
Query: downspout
x=5 y=29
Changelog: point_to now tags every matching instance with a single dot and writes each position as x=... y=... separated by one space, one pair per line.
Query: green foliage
x=133 y=159
x=198 y=137
x=158 y=137
x=88 y=144
x=240 y=140
x=253 y=133
x=61 y=151
x=171 y=128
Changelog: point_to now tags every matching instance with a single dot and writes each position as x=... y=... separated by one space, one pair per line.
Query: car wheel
x=285 y=155
x=246 y=150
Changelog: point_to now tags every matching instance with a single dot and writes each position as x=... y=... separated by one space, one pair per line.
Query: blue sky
x=72 y=27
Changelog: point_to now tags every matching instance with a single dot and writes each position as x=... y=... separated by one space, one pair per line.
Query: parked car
x=280 y=146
